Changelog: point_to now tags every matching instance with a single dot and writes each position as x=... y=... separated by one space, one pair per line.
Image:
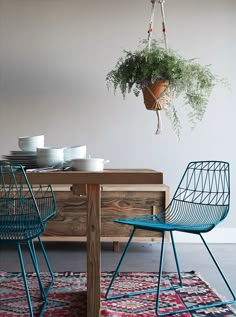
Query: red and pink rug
x=68 y=295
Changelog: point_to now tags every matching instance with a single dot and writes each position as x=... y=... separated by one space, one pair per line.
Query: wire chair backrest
x=18 y=206
x=202 y=196
x=46 y=201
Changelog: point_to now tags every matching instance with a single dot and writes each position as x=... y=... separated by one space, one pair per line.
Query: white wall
x=55 y=54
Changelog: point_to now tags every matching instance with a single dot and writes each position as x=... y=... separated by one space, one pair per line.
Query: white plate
x=22 y=153
x=16 y=157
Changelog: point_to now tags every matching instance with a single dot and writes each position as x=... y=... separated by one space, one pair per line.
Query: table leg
x=93 y=250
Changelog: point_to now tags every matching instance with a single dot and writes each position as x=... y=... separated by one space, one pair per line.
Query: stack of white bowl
x=30 y=143
x=49 y=157
x=73 y=152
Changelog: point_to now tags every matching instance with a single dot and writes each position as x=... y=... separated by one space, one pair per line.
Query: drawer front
x=71 y=217
x=129 y=204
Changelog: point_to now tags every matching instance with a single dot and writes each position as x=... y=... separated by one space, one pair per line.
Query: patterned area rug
x=68 y=295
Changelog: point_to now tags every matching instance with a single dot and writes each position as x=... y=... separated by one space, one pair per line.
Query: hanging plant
x=162 y=74
x=144 y=69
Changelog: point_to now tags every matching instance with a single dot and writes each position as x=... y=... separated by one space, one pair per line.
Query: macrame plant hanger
x=150 y=31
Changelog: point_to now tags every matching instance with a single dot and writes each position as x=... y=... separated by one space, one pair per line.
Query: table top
x=108 y=176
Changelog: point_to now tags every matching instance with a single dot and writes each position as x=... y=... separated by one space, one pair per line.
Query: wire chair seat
x=19 y=218
x=152 y=223
x=200 y=202
x=181 y=216
x=23 y=230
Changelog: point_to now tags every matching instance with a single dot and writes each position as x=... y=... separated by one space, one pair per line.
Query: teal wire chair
x=21 y=222
x=199 y=204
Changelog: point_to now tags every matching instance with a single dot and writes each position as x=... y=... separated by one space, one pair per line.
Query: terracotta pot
x=154 y=99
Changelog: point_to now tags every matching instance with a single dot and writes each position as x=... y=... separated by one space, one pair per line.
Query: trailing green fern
x=137 y=69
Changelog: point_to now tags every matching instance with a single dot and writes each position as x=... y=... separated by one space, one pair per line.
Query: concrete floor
x=141 y=257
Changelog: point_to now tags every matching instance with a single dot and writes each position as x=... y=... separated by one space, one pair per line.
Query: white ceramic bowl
x=49 y=150
x=30 y=143
x=88 y=164
x=73 y=152
x=49 y=156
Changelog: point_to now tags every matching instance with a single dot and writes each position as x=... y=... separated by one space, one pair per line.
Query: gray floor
x=141 y=257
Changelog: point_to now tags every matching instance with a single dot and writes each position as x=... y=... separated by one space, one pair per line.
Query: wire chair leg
x=44 y=290
x=219 y=269
x=134 y=293
x=118 y=267
x=176 y=260
x=195 y=308
x=159 y=289
x=160 y=273
x=25 y=279
x=36 y=267
x=32 y=251
x=48 y=265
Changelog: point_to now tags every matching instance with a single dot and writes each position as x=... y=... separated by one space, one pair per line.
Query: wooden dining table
x=93 y=182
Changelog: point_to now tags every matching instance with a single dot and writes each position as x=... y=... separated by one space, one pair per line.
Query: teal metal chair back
x=46 y=201
x=15 y=182
x=19 y=214
x=202 y=198
x=200 y=202
x=23 y=213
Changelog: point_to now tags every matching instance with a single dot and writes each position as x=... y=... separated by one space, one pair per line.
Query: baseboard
x=217 y=235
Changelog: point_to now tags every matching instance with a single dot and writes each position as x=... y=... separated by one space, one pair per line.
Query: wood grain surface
x=71 y=217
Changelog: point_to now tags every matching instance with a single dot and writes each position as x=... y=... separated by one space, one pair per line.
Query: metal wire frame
x=200 y=202
x=46 y=201
x=21 y=222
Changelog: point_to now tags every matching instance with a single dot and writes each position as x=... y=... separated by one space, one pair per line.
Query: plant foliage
x=187 y=78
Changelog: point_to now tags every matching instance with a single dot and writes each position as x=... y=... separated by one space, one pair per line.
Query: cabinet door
x=124 y=204
x=71 y=217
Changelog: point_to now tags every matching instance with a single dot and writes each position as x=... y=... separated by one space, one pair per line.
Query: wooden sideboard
x=117 y=201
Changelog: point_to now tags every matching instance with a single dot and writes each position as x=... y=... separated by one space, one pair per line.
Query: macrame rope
x=161 y=2
x=159 y=122
x=163 y=23
x=156 y=100
x=150 y=30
